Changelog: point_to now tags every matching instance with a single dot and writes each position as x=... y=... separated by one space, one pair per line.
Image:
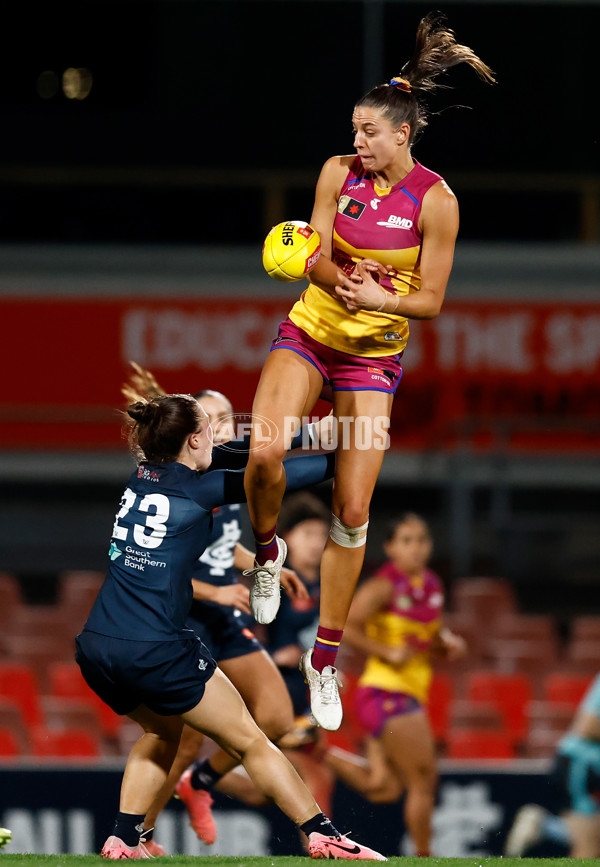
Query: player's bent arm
x=372 y=596
x=439 y=226
x=446 y=644
x=218 y=487
x=332 y=177
x=231 y=595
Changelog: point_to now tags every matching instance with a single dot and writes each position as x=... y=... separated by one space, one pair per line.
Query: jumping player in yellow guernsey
x=388 y=227
x=396 y=620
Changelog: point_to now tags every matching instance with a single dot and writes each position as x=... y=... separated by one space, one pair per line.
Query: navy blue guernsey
x=163 y=526
x=215 y=564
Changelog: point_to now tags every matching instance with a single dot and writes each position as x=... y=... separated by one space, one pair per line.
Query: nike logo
x=353 y=851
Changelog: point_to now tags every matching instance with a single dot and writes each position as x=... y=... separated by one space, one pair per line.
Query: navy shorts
x=168 y=677
x=225 y=630
x=577 y=779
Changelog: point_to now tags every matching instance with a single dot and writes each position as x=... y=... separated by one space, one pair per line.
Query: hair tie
x=401 y=84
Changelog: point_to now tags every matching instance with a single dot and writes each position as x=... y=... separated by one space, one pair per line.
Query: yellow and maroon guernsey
x=412 y=617
x=374 y=223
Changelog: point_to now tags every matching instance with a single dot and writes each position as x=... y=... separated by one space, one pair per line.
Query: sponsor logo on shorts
x=379 y=375
x=350 y=207
x=202 y=664
x=392 y=335
x=394 y=222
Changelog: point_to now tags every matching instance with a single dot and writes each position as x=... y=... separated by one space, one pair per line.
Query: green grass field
x=275 y=861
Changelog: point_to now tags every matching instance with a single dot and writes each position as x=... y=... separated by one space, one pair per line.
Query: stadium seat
x=510 y=693
x=11 y=597
x=18 y=682
x=541 y=743
x=464 y=713
x=65 y=681
x=38 y=653
x=584 y=655
x=39 y=621
x=535 y=657
x=552 y=715
x=9 y=743
x=11 y=719
x=526 y=626
x=441 y=695
x=586 y=626
x=63 y=743
x=474 y=743
x=566 y=687
x=77 y=592
x=71 y=713
x=486 y=598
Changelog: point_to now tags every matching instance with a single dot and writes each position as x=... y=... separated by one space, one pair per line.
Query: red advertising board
x=492 y=374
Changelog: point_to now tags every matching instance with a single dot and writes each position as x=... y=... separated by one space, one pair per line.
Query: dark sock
x=204 y=775
x=322 y=825
x=128 y=828
x=327 y=644
x=266 y=546
x=147 y=835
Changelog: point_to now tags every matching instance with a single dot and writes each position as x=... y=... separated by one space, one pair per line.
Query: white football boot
x=265 y=594
x=325 y=701
x=526 y=830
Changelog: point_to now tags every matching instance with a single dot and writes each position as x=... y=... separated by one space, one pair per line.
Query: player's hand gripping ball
x=291 y=250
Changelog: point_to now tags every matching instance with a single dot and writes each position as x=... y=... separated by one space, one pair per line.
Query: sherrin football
x=291 y=250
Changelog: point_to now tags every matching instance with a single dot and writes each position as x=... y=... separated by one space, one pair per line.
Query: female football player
x=388 y=227
x=135 y=650
x=396 y=620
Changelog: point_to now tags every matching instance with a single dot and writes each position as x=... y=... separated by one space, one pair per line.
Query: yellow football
x=291 y=250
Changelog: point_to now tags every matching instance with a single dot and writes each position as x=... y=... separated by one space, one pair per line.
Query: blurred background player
x=396 y=620
x=576 y=778
x=220 y=616
x=349 y=329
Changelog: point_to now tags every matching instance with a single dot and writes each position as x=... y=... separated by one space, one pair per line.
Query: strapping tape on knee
x=348 y=537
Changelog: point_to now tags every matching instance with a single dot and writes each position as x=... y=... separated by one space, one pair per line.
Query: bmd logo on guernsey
x=394 y=222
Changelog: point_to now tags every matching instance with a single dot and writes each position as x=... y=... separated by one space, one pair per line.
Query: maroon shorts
x=340 y=370
x=375 y=706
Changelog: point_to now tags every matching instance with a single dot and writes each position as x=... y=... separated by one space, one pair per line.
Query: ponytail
x=436 y=50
